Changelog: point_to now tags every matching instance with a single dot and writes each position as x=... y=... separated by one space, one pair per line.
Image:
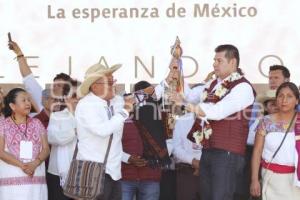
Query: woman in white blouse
x=278 y=173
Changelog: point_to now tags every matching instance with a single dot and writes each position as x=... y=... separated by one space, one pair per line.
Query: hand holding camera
x=14 y=46
x=129 y=102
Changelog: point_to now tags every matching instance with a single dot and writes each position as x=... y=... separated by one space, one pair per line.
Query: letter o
x=265 y=57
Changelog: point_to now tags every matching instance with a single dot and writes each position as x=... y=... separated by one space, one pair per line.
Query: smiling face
x=223 y=66
x=22 y=104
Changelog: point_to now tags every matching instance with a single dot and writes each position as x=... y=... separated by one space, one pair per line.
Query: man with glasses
x=99 y=114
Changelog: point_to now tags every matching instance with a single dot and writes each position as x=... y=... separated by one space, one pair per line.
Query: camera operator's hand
x=129 y=102
x=149 y=90
x=15 y=47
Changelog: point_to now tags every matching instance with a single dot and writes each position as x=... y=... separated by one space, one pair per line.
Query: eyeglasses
x=107 y=82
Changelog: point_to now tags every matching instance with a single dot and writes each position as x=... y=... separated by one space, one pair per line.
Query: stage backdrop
x=69 y=36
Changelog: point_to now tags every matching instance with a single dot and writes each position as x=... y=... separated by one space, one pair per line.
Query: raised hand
x=15 y=48
x=149 y=90
x=209 y=76
x=129 y=102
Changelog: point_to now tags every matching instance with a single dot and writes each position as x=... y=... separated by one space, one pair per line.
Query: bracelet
x=19 y=56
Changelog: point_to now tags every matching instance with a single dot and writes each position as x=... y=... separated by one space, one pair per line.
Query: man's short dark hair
x=230 y=52
x=75 y=83
x=62 y=76
x=285 y=71
x=66 y=79
x=141 y=85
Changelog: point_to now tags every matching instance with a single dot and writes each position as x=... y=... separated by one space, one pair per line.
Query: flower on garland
x=205 y=133
x=222 y=89
x=205 y=94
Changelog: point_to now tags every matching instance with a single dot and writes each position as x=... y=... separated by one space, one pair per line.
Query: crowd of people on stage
x=228 y=142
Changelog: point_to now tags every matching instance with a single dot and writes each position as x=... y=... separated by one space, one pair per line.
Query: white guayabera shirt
x=94 y=127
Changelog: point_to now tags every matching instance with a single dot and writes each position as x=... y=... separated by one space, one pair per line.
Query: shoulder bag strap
x=107 y=150
x=288 y=129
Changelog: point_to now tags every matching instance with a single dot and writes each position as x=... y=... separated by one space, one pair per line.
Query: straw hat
x=93 y=74
x=267 y=95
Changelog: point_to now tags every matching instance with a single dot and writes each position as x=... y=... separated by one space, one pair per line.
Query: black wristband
x=19 y=56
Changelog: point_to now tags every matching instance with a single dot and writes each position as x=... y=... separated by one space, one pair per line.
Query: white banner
x=69 y=36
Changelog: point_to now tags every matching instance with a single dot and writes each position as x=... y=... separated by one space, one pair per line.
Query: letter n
x=137 y=61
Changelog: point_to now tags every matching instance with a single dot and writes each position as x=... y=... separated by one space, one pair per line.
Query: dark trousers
x=112 y=189
x=55 y=191
x=187 y=184
x=218 y=174
x=142 y=189
x=244 y=180
x=168 y=185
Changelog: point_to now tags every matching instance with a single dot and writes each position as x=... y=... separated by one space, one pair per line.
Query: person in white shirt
x=43 y=102
x=169 y=181
x=60 y=82
x=62 y=137
x=100 y=114
x=278 y=74
x=275 y=154
x=187 y=156
x=223 y=105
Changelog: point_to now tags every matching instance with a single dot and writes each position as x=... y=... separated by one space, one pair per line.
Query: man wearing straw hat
x=100 y=114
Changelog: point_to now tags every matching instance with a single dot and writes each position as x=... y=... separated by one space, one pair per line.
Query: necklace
x=26 y=125
x=223 y=88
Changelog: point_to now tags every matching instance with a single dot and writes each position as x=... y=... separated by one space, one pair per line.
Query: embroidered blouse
x=14 y=134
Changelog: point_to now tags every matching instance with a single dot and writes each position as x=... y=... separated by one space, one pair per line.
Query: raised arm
x=23 y=66
x=31 y=85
